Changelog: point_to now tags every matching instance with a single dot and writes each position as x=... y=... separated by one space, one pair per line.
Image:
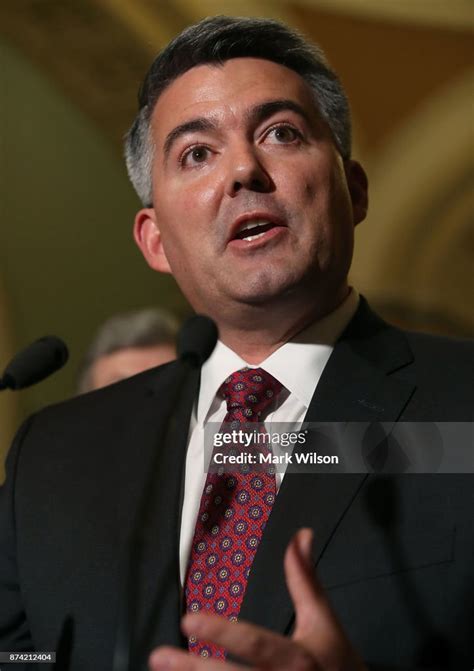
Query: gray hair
x=216 y=40
x=140 y=328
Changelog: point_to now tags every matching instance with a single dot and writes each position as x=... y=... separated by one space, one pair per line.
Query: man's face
x=126 y=362
x=252 y=201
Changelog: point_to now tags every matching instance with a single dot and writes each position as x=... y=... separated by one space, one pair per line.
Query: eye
x=283 y=134
x=194 y=155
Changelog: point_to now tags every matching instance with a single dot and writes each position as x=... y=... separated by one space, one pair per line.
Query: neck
x=256 y=332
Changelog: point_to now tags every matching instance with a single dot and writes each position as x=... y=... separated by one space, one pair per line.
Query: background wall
x=68 y=81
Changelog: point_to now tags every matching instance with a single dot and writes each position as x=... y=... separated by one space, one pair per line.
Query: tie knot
x=248 y=392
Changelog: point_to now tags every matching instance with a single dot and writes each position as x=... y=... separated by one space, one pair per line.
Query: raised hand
x=317 y=644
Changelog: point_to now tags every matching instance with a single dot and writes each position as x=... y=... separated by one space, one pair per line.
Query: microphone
x=196 y=341
x=35 y=363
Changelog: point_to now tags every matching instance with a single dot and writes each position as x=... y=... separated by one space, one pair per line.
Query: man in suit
x=241 y=156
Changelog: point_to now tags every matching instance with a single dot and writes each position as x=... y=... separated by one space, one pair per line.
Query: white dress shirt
x=298 y=365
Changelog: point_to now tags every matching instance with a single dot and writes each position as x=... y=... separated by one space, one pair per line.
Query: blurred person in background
x=127 y=344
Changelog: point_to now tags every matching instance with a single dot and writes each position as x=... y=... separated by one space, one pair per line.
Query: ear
x=358 y=189
x=148 y=238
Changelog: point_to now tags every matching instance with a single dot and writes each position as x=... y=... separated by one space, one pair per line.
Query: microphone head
x=36 y=362
x=197 y=339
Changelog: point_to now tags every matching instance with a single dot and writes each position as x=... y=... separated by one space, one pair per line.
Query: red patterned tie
x=232 y=516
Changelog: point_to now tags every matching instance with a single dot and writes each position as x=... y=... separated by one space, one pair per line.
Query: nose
x=247 y=172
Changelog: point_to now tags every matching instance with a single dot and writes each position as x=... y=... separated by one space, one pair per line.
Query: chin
x=265 y=289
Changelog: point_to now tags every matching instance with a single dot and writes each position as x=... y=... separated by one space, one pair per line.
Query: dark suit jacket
x=395 y=554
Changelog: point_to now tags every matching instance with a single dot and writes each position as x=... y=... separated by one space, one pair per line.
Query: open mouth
x=252 y=230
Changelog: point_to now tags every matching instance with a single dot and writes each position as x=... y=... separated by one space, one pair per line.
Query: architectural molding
x=454 y=14
x=416 y=250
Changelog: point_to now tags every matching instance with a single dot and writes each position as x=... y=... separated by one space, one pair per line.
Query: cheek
x=315 y=201
x=197 y=200
x=192 y=191
x=184 y=214
x=304 y=183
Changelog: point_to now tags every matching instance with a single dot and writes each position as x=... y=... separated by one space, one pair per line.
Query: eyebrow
x=256 y=115
x=267 y=109
x=197 y=125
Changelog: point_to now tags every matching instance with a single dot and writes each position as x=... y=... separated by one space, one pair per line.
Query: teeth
x=254 y=237
x=253 y=224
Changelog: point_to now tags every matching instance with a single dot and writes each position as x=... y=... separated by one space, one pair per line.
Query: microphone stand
x=128 y=573
x=195 y=343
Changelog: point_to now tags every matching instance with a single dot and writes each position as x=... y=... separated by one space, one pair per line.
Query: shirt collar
x=298 y=364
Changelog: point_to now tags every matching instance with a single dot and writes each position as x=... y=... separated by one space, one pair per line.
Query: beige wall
x=67 y=259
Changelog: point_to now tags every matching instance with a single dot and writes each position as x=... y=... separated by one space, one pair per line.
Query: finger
x=317 y=628
x=172 y=659
x=313 y=612
x=258 y=646
x=299 y=571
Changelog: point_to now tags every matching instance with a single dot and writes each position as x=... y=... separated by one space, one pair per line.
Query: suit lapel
x=355 y=386
x=152 y=491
